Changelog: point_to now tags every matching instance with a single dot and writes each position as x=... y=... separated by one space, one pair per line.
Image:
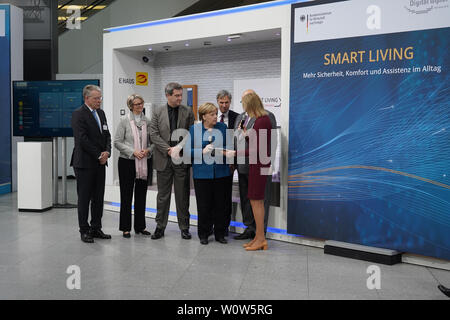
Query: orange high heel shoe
x=262 y=246
x=245 y=245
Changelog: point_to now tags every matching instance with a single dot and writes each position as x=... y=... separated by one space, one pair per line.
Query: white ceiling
x=249 y=37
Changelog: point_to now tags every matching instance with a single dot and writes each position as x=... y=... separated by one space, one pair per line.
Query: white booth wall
x=213 y=69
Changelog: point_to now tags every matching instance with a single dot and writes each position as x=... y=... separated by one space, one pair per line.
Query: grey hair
x=89 y=88
x=223 y=94
x=172 y=86
x=131 y=99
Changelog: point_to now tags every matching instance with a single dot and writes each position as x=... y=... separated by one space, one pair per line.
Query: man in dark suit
x=91 y=151
x=228 y=117
x=166 y=119
x=225 y=115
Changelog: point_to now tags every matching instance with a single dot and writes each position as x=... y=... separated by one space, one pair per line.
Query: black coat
x=232 y=118
x=89 y=141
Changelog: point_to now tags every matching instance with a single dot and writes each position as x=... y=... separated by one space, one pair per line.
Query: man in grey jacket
x=165 y=120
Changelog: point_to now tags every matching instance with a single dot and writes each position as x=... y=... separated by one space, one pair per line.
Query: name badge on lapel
x=105 y=127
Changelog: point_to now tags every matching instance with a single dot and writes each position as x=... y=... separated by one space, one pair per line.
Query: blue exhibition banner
x=369 y=139
x=5 y=101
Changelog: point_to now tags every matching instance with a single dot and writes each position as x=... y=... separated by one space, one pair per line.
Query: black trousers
x=128 y=183
x=90 y=190
x=211 y=195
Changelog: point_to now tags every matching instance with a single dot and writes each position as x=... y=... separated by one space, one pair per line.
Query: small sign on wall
x=141 y=79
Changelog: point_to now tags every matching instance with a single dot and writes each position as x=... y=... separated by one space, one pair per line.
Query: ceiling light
x=234 y=36
x=76 y=19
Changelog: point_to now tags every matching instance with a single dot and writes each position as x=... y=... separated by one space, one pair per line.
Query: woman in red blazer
x=259 y=139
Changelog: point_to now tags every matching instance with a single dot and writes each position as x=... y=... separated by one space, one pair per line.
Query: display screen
x=44 y=108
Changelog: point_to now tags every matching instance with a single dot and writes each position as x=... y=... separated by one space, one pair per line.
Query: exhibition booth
x=360 y=92
x=234 y=49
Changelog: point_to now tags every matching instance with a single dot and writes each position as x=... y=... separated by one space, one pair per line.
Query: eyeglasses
x=138 y=104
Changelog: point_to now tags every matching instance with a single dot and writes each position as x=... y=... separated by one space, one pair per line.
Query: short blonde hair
x=131 y=99
x=205 y=108
x=253 y=105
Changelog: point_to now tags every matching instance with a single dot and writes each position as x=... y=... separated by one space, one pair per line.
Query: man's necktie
x=221 y=117
x=97 y=119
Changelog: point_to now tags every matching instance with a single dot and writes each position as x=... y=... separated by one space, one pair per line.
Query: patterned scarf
x=139 y=144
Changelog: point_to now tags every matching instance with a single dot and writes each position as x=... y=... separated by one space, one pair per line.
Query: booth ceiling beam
x=213 y=5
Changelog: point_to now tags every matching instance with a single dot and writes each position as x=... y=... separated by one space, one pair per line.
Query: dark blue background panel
x=369 y=155
x=5 y=105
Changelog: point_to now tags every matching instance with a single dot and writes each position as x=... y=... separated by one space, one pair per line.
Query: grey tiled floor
x=37 y=248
